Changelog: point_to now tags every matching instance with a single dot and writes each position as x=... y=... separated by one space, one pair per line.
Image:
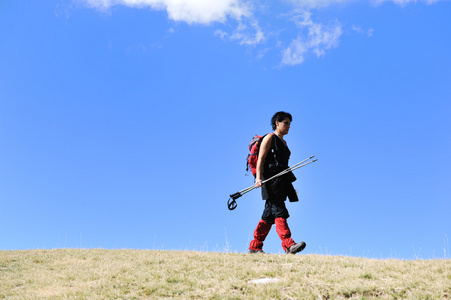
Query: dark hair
x=279 y=117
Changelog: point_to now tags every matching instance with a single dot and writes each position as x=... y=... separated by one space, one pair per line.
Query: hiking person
x=273 y=156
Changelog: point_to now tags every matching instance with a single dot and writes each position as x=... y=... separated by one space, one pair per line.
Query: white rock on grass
x=264 y=280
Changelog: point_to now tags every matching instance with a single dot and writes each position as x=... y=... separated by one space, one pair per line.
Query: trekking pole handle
x=231 y=204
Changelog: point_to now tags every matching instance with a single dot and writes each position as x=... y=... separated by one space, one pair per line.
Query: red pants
x=263 y=229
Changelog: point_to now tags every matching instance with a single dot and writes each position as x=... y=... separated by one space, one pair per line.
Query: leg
x=284 y=233
x=260 y=234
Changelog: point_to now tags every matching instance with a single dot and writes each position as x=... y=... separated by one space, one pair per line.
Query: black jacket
x=276 y=161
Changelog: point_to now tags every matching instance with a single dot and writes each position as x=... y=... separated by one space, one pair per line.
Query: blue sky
x=125 y=124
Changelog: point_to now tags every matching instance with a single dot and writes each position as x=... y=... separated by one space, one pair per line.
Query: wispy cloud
x=358 y=29
x=204 y=12
x=247 y=33
x=308 y=4
x=318 y=39
x=189 y=11
x=309 y=38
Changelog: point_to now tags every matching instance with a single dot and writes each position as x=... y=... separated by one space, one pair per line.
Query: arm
x=264 y=149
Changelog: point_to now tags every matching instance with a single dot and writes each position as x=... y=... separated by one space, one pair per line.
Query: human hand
x=258 y=183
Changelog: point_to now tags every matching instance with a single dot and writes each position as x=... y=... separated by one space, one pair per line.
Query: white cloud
x=250 y=34
x=189 y=11
x=247 y=32
x=317 y=3
x=310 y=37
x=318 y=39
x=246 y=35
x=358 y=29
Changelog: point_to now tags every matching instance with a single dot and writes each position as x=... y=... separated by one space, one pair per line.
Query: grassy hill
x=145 y=274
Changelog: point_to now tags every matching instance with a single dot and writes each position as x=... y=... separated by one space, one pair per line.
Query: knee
x=281 y=222
x=282 y=228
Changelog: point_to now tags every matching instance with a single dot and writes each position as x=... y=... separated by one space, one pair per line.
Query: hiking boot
x=295 y=248
x=256 y=251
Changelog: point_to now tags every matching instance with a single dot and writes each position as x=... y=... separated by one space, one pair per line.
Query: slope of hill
x=148 y=274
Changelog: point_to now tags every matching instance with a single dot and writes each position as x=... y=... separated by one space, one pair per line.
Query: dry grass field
x=146 y=274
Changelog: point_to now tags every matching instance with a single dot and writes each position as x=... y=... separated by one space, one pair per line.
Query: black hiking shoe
x=295 y=248
x=256 y=252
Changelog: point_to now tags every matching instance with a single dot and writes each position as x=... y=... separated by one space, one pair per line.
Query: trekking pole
x=231 y=203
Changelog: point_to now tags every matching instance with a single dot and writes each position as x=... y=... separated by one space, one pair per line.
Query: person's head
x=280 y=116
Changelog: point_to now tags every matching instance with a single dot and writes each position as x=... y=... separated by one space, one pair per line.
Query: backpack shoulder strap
x=274 y=149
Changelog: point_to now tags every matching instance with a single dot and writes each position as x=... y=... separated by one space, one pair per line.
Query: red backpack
x=252 y=157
